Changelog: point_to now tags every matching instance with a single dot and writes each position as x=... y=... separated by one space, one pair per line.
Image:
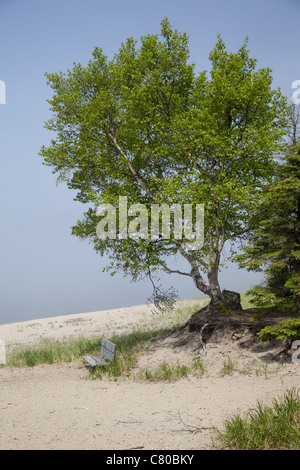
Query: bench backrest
x=108 y=349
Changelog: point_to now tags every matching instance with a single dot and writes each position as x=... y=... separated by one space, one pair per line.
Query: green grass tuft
x=228 y=366
x=275 y=427
x=170 y=372
x=48 y=351
x=129 y=345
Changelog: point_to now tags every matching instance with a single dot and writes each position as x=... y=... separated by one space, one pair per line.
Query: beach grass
x=128 y=348
x=266 y=427
x=228 y=366
x=128 y=344
x=246 y=301
x=49 y=351
x=170 y=372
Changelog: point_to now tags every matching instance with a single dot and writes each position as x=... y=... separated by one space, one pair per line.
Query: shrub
x=286 y=329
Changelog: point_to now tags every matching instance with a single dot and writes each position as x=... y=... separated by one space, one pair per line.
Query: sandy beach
x=54 y=407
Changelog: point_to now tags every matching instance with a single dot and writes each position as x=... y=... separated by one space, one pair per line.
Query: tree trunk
x=216 y=297
x=229 y=299
x=213 y=280
x=211 y=288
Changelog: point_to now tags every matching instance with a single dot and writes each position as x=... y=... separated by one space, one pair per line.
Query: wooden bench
x=108 y=354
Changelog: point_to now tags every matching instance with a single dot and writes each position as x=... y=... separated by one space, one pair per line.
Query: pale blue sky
x=44 y=270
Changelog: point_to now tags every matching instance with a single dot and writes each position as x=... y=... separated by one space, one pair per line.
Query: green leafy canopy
x=145 y=125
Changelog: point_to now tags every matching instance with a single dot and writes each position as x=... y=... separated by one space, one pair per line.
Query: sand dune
x=53 y=407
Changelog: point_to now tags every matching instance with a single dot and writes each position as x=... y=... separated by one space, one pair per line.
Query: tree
x=275 y=243
x=146 y=126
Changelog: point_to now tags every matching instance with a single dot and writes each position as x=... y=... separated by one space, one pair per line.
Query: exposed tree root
x=212 y=324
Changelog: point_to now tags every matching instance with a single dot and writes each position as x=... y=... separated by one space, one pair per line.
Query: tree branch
x=197 y=278
x=135 y=174
x=174 y=271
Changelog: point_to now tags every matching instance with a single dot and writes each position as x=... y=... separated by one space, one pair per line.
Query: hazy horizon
x=44 y=270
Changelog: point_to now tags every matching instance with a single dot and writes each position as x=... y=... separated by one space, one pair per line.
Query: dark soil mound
x=210 y=324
